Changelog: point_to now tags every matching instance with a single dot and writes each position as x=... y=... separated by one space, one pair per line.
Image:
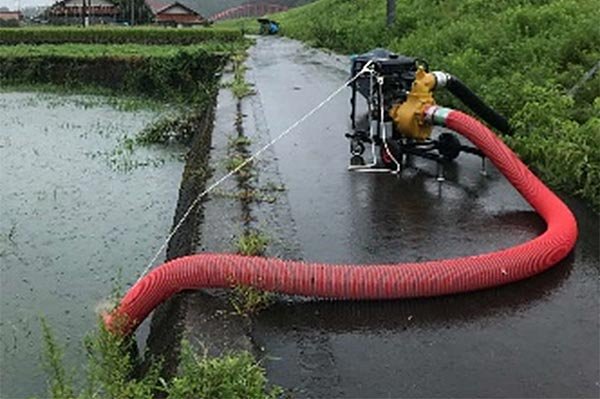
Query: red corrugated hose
x=384 y=281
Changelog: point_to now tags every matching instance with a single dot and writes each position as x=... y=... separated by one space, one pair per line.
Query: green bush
x=99 y=35
x=230 y=376
x=11 y=23
x=111 y=373
x=110 y=370
x=79 y=50
x=186 y=76
x=521 y=56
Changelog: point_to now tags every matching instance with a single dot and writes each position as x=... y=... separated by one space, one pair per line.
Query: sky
x=14 y=4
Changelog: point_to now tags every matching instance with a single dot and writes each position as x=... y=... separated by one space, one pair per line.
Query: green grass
x=252 y=243
x=186 y=76
x=61 y=384
x=244 y=25
x=78 y=50
x=239 y=85
x=111 y=369
x=116 y=35
x=239 y=142
x=169 y=69
x=247 y=300
x=522 y=57
x=109 y=372
x=178 y=128
x=229 y=376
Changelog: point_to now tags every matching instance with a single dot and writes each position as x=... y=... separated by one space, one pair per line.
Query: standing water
x=80 y=212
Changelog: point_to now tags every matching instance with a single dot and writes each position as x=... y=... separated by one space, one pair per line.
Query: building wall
x=10 y=16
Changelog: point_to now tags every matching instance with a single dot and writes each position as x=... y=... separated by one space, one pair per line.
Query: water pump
x=396 y=89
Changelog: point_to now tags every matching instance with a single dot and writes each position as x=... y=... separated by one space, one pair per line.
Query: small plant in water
x=110 y=368
x=60 y=382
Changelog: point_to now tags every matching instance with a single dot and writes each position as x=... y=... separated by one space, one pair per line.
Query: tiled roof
x=158 y=5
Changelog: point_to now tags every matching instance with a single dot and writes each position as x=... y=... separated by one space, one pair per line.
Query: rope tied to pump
x=379 y=281
x=247 y=161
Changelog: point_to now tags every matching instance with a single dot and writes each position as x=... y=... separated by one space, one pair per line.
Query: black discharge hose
x=473 y=101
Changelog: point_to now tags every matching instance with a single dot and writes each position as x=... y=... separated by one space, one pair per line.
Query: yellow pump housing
x=408 y=116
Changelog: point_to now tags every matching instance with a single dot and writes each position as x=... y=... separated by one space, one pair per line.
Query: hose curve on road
x=383 y=281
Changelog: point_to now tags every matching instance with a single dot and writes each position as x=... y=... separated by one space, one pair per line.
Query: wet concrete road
x=536 y=338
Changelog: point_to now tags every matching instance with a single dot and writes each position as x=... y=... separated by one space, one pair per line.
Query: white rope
x=246 y=162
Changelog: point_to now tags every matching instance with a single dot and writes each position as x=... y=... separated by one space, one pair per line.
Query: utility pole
x=83 y=13
x=391 y=12
x=132 y=12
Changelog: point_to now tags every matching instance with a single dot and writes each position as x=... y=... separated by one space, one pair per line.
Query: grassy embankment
x=523 y=57
x=111 y=35
x=166 y=65
x=136 y=62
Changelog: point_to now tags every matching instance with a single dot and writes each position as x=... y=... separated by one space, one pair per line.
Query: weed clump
x=244 y=299
x=252 y=243
x=239 y=86
x=247 y=301
x=111 y=372
x=171 y=129
x=229 y=376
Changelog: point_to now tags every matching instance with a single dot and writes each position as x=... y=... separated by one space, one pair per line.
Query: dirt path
x=536 y=338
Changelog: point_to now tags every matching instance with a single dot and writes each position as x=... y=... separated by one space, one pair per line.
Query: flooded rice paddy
x=81 y=212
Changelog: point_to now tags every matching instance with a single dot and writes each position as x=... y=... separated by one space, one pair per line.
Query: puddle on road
x=77 y=210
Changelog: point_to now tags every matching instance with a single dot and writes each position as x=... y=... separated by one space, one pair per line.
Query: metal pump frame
x=395 y=146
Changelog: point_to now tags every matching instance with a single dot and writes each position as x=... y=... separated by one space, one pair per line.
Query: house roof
x=158 y=6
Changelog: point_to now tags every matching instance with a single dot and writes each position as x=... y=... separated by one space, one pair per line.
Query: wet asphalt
x=535 y=338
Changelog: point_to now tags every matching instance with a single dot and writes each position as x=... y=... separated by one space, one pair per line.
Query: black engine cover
x=397 y=70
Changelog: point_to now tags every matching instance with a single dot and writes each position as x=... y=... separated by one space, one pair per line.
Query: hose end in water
x=117 y=323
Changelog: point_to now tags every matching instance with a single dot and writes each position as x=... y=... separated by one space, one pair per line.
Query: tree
x=391 y=12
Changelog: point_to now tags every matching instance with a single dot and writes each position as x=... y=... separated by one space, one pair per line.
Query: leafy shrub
x=79 y=50
x=99 y=35
x=185 y=76
x=11 y=23
x=230 y=376
x=177 y=128
x=111 y=373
